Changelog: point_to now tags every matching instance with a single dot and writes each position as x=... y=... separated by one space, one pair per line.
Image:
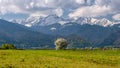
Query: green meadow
x=59 y=59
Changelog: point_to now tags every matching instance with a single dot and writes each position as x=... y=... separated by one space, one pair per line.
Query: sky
x=21 y=9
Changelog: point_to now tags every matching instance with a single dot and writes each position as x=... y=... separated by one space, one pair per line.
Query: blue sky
x=21 y=9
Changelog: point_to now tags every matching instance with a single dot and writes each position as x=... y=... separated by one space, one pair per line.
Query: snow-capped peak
x=49 y=20
x=104 y=22
x=52 y=19
x=42 y=21
x=33 y=20
x=92 y=21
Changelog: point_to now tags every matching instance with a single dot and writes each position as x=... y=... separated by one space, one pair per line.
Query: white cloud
x=85 y=2
x=59 y=12
x=75 y=8
x=80 y=1
x=32 y=4
x=116 y=17
x=99 y=8
x=38 y=14
x=102 y=2
x=10 y=8
x=34 y=7
x=90 y=11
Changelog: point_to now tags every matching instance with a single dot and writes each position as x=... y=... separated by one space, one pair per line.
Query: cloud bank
x=32 y=7
x=99 y=8
x=116 y=17
x=73 y=8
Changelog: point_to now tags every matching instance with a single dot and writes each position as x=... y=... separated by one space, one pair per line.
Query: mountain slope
x=20 y=35
x=113 y=39
x=77 y=42
x=92 y=33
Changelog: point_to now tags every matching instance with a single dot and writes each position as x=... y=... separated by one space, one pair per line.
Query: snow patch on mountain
x=33 y=20
x=49 y=20
x=53 y=28
x=19 y=21
x=104 y=22
x=52 y=19
x=28 y=25
x=92 y=21
x=62 y=22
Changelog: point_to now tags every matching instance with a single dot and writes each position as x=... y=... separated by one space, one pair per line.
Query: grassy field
x=59 y=59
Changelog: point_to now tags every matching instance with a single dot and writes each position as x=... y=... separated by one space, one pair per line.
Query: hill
x=22 y=36
x=113 y=39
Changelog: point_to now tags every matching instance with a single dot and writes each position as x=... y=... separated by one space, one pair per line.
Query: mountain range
x=24 y=37
x=53 y=19
x=91 y=30
x=14 y=33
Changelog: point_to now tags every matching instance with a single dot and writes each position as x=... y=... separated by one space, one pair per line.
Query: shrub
x=8 y=46
x=61 y=43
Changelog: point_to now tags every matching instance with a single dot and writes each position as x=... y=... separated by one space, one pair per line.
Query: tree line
x=8 y=46
x=60 y=43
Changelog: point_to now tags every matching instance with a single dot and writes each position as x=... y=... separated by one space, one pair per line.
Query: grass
x=59 y=59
